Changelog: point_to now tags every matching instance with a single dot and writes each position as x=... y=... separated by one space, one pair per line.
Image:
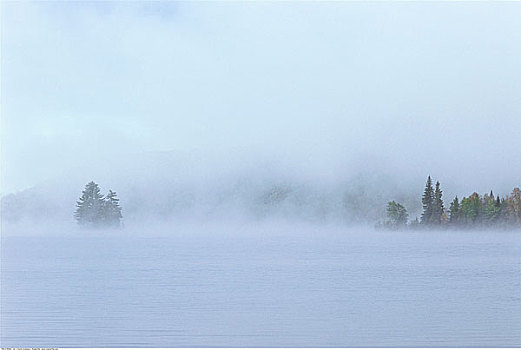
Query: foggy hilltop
x=171 y=187
x=165 y=186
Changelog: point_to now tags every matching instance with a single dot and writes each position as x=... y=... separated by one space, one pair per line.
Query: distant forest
x=360 y=199
x=473 y=211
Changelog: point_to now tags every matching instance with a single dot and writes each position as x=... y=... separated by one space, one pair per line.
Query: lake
x=260 y=286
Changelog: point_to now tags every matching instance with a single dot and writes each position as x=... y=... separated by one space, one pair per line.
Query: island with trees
x=474 y=211
x=95 y=210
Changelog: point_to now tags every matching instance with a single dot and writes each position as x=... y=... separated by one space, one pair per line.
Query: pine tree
x=428 y=203
x=90 y=206
x=112 y=210
x=454 y=211
x=438 y=209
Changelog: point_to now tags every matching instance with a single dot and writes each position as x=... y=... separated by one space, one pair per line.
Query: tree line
x=471 y=212
x=95 y=210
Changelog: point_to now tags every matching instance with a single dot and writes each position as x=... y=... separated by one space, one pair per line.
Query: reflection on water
x=345 y=288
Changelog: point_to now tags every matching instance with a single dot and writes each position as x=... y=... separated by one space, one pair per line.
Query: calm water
x=262 y=287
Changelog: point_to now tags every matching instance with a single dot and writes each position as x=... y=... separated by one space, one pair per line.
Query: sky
x=417 y=88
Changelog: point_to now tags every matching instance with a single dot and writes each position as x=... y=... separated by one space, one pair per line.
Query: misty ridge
x=169 y=188
x=163 y=187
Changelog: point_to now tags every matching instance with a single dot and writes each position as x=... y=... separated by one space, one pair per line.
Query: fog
x=314 y=112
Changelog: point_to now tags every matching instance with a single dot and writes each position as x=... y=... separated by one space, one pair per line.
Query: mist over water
x=163 y=187
x=269 y=285
x=253 y=147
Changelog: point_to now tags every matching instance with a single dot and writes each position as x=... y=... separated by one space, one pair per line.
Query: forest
x=474 y=211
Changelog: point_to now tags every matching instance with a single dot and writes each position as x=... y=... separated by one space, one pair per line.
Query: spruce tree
x=112 y=210
x=90 y=206
x=438 y=209
x=454 y=211
x=428 y=203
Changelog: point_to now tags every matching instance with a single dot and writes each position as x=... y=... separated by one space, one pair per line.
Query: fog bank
x=301 y=111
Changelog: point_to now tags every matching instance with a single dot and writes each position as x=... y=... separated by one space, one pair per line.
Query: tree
x=397 y=215
x=487 y=210
x=471 y=209
x=428 y=203
x=438 y=209
x=513 y=207
x=112 y=210
x=490 y=208
x=454 y=211
x=92 y=210
x=90 y=206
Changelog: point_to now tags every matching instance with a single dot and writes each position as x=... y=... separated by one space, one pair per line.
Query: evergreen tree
x=454 y=211
x=438 y=209
x=428 y=203
x=90 y=206
x=112 y=210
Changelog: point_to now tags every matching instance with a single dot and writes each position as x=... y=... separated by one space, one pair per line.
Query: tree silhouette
x=89 y=208
x=428 y=203
x=93 y=210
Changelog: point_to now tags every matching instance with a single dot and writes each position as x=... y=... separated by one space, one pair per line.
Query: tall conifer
x=438 y=209
x=89 y=208
x=112 y=210
x=428 y=203
x=454 y=211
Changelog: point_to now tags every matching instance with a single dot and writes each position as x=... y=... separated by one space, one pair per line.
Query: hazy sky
x=431 y=88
